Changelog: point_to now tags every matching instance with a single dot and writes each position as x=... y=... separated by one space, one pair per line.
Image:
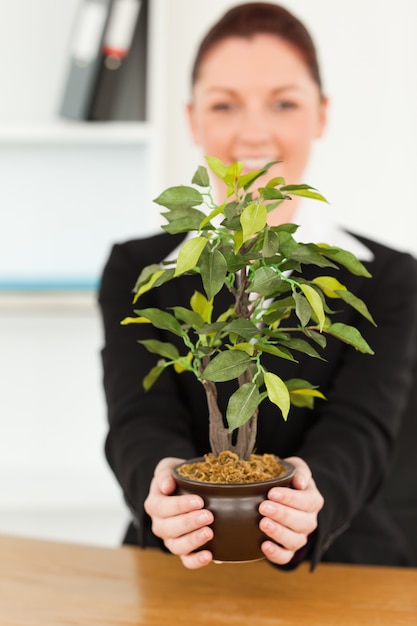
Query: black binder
x=86 y=56
x=120 y=92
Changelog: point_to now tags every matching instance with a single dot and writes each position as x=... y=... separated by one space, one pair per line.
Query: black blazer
x=348 y=440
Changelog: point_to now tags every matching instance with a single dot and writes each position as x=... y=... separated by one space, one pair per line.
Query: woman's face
x=255 y=102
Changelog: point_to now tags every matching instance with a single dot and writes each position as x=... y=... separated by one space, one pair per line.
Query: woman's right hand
x=180 y=521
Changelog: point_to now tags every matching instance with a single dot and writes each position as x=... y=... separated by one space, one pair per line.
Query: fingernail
x=195 y=503
x=166 y=486
x=268 y=508
x=204 y=557
x=268 y=547
x=204 y=517
x=302 y=482
x=204 y=534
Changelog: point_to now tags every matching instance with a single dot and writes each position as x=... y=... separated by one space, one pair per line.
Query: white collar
x=316 y=224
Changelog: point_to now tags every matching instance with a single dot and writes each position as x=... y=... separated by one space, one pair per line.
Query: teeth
x=256 y=163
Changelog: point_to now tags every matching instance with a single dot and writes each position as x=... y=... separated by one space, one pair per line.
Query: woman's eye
x=283 y=105
x=223 y=106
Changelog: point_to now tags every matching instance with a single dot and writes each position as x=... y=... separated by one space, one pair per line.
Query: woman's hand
x=290 y=515
x=180 y=521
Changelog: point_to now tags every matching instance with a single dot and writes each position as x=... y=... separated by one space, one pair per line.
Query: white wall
x=63 y=201
x=52 y=413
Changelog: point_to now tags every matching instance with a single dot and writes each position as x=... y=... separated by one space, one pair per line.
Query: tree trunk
x=220 y=437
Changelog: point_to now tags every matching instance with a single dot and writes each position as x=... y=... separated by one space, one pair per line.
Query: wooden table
x=45 y=583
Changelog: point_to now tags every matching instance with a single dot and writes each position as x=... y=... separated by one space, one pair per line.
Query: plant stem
x=219 y=436
x=246 y=434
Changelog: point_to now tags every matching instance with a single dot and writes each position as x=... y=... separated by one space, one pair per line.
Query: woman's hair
x=250 y=19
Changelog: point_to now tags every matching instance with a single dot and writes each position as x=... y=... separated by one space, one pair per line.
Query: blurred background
x=77 y=175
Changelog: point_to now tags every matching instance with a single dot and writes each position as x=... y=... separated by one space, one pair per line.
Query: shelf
x=74 y=132
x=27 y=303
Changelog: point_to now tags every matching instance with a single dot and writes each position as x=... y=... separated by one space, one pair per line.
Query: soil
x=228 y=468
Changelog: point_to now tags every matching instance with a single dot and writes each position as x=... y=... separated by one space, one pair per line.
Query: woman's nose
x=255 y=127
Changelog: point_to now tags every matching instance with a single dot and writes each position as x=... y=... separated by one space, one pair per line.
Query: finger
x=167 y=485
x=196 y=560
x=170 y=506
x=276 y=554
x=180 y=525
x=285 y=537
x=279 y=516
x=302 y=475
x=186 y=544
x=163 y=477
x=286 y=517
x=308 y=500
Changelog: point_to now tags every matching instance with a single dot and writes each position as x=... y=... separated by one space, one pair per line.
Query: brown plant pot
x=237 y=536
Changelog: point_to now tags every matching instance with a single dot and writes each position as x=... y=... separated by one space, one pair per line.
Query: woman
x=257 y=97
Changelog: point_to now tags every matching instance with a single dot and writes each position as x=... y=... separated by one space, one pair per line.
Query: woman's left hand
x=290 y=514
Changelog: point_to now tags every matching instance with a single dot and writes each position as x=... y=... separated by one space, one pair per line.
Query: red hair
x=252 y=18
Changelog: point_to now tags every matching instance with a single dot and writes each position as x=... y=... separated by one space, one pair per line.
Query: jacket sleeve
x=351 y=444
x=141 y=428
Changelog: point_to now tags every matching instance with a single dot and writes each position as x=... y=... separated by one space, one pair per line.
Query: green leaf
x=278 y=309
x=315 y=302
x=201 y=177
x=150 y=277
x=180 y=197
x=211 y=216
x=152 y=376
x=249 y=348
x=232 y=175
x=238 y=239
x=148 y=286
x=329 y=285
x=270 y=244
x=278 y=393
x=146 y=274
x=318 y=338
x=217 y=167
x=183 y=221
x=191 y=318
x=265 y=281
x=281 y=352
x=357 y=304
x=300 y=345
x=201 y=305
x=213 y=268
x=269 y=193
x=248 y=179
x=303 y=393
x=274 y=182
x=311 y=254
x=298 y=383
x=253 y=219
x=302 y=308
x=134 y=320
x=189 y=254
x=242 y=405
x=345 y=258
x=305 y=398
x=350 y=335
x=211 y=329
x=162 y=320
x=287 y=243
x=162 y=348
x=304 y=190
x=226 y=365
x=242 y=327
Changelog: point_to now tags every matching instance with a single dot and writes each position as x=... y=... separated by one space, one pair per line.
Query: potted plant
x=275 y=311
